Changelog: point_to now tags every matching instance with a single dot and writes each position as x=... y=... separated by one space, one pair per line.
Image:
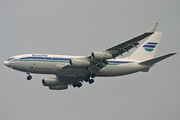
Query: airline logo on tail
x=150 y=46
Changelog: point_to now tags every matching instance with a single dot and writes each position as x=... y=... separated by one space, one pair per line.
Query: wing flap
x=100 y=65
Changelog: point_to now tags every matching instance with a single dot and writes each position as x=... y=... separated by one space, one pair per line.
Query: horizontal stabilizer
x=155 y=60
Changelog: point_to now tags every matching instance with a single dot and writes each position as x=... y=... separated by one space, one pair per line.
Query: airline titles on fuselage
x=39 y=55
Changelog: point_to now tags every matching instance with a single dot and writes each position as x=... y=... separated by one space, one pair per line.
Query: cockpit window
x=10 y=59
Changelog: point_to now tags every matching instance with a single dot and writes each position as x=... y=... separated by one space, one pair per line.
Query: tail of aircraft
x=147 y=50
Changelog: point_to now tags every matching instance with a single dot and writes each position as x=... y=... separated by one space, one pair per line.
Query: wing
x=97 y=60
x=126 y=46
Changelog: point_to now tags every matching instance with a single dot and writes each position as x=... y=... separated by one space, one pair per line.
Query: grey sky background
x=77 y=27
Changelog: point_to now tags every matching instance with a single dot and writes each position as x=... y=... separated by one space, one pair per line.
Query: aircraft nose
x=6 y=63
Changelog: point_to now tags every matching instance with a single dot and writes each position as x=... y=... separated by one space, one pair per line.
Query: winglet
x=154 y=28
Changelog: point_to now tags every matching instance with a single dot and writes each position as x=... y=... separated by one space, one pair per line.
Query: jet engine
x=61 y=87
x=101 y=55
x=54 y=81
x=79 y=63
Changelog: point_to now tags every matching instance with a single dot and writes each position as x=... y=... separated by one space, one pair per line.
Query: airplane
x=74 y=70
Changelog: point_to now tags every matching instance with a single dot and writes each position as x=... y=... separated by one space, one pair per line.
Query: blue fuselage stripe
x=64 y=60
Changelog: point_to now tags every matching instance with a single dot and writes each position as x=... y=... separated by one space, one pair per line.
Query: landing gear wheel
x=29 y=77
x=86 y=79
x=74 y=85
x=79 y=85
x=91 y=81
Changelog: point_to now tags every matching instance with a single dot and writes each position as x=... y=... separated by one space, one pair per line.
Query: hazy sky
x=78 y=27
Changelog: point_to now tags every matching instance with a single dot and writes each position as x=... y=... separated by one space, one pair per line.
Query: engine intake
x=101 y=55
x=79 y=63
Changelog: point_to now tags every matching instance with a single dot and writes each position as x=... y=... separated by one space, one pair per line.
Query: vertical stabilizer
x=147 y=50
x=154 y=28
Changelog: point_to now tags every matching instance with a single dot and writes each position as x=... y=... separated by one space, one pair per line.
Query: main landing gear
x=29 y=77
x=87 y=79
x=77 y=84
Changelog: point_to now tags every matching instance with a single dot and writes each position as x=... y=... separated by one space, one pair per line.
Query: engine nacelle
x=61 y=87
x=54 y=81
x=79 y=63
x=101 y=55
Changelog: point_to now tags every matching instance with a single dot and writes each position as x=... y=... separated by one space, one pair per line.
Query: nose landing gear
x=29 y=77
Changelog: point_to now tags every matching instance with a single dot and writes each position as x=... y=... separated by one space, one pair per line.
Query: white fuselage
x=52 y=64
